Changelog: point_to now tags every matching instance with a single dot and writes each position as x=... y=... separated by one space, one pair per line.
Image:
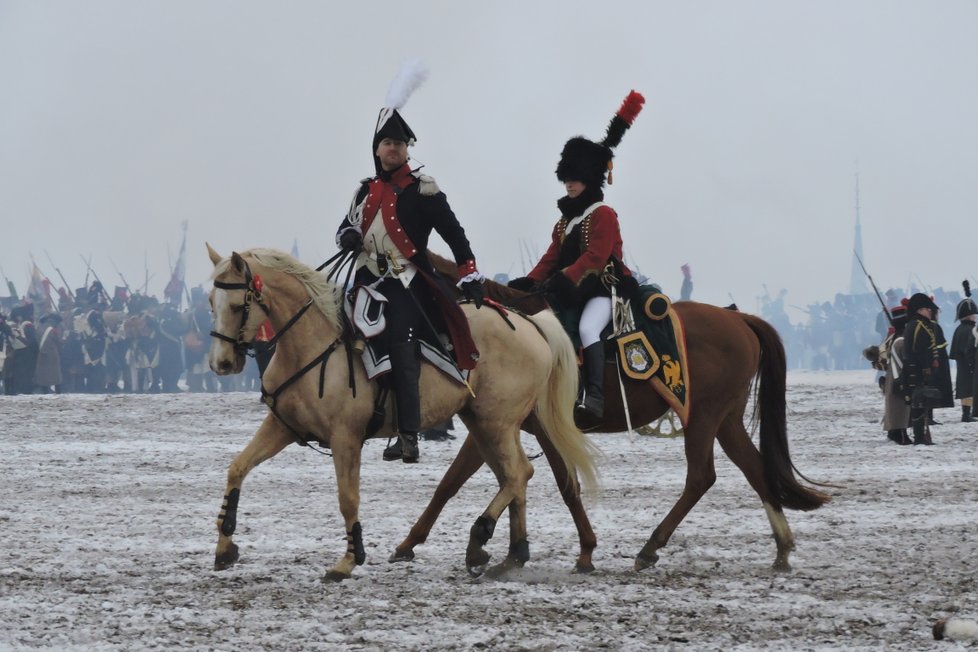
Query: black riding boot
x=405 y=371
x=966 y=414
x=593 y=404
x=904 y=438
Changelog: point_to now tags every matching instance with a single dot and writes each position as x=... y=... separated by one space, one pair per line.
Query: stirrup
x=393 y=450
x=408 y=445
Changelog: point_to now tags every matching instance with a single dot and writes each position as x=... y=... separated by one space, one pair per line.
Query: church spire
x=857 y=280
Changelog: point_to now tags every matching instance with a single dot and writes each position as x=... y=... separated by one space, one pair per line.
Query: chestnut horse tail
x=554 y=409
x=770 y=409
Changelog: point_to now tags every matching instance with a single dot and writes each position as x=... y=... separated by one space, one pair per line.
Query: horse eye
x=237 y=308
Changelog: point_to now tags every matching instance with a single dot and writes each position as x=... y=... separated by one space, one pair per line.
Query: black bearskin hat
x=967 y=305
x=390 y=124
x=918 y=301
x=586 y=161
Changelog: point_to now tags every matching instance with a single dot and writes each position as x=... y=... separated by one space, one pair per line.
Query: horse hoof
x=227 y=558
x=583 y=567
x=501 y=569
x=782 y=566
x=476 y=561
x=334 y=577
x=641 y=563
x=401 y=555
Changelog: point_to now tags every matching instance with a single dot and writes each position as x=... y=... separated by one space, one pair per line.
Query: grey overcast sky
x=119 y=119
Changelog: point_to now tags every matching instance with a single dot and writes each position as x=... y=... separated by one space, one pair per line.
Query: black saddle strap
x=290 y=323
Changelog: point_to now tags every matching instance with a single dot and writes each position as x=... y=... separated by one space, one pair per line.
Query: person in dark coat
x=172 y=329
x=391 y=217
x=18 y=368
x=963 y=351
x=583 y=267
x=922 y=359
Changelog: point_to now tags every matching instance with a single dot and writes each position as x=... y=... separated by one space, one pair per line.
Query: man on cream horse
x=527 y=364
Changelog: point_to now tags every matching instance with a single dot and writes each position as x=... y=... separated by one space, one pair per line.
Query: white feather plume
x=411 y=75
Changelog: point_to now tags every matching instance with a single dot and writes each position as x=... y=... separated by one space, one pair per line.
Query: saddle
x=647 y=340
x=366 y=312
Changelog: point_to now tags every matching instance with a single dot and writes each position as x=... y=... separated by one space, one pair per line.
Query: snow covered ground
x=107 y=526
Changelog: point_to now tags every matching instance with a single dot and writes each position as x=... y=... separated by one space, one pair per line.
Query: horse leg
x=700 y=476
x=466 y=463
x=736 y=443
x=268 y=442
x=505 y=456
x=346 y=461
x=570 y=490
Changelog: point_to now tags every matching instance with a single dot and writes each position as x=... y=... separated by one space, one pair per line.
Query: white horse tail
x=555 y=405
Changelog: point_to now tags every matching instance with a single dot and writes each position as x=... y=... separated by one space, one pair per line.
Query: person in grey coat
x=896 y=410
x=47 y=370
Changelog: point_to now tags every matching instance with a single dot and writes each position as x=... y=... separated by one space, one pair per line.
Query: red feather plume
x=631 y=107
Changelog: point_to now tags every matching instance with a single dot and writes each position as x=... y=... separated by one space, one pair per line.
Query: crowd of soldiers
x=833 y=334
x=93 y=343
x=97 y=343
x=914 y=364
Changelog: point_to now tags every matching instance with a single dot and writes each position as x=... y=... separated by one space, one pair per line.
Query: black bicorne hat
x=587 y=161
x=918 y=301
x=967 y=305
x=390 y=123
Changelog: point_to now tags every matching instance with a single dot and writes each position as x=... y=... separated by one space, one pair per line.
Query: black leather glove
x=474 y=292
x=523 y=284
x=562 y=287
x=628 y=288
x=351 y=240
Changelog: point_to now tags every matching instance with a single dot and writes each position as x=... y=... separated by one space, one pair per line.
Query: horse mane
x=503 y=294
x=325 y=294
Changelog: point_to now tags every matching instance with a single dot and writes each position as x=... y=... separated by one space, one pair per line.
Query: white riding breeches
x=594 y=317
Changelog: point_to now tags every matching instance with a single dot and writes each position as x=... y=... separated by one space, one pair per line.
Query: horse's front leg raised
x=466 y=463
x=346 y=461
x=268 y=442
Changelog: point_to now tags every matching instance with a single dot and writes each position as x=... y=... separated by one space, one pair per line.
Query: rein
x=253 y=288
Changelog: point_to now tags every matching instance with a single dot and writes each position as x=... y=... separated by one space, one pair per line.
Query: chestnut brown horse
x=525 y=365
x=727 y=350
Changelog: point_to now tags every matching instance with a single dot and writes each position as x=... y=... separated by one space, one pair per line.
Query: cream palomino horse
x=527 y=364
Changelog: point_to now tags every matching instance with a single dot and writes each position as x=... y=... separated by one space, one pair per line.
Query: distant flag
x=295 y=248
x=39 y=291
x=175 y=288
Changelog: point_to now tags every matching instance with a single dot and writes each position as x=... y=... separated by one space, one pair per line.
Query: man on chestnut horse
x=389 y=222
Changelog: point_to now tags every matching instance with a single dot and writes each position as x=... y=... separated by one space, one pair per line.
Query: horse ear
x=215 y=257
x=237 y=261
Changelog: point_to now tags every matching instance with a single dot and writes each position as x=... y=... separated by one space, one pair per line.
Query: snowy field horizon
x=109 y=531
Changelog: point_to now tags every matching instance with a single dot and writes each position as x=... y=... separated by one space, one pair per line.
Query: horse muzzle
x=226 y=365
